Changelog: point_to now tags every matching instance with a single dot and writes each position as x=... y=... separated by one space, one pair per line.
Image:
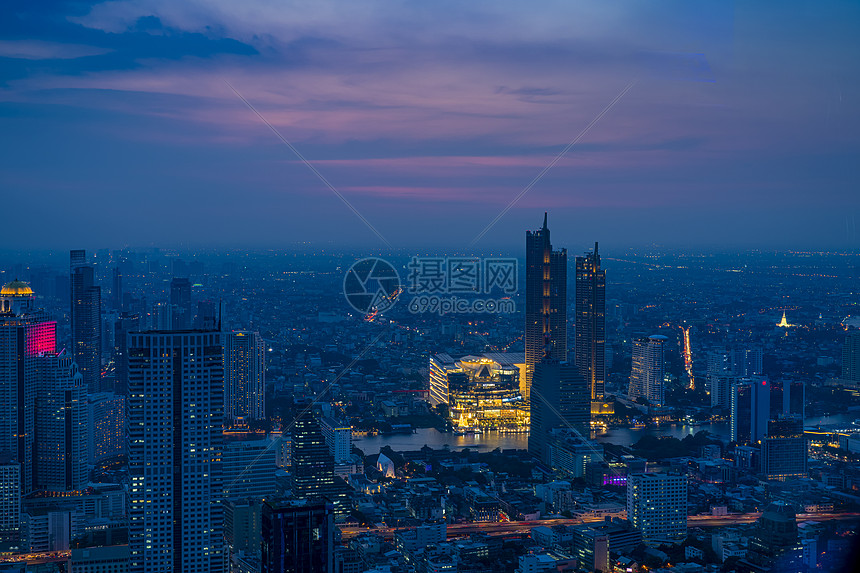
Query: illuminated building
x=482 y=392
x=298 y=537
x=338 y=438
x=106 y=426
x=313 y=465
x=546 y=303
x=25 y=334
x=590 y=338
x=648 y=370
x=86 y=320
x=592 y=542
x=175 y=414
x=60 y=444
x=750 y=410
x=851 y=357
x=784 y=455
x=10 y=498
x=657 y=506
x=244 y=376
x=560 y=399
x=783 y=323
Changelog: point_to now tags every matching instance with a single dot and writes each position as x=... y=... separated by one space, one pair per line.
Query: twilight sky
x=118 y=127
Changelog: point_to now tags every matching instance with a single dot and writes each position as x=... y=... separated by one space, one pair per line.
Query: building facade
x=546 y=302
x=244 y=375
x=298 y=537
x=657 y=506
x=648 y=369
x=590 y=335
x=784 y=453
x=86 y=318
x=482 y=392
x=175 y=414
x=560 y=399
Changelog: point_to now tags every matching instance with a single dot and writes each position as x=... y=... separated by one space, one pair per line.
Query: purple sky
x=118 y=127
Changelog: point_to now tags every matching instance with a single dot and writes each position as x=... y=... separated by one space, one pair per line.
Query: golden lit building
x=482 y=392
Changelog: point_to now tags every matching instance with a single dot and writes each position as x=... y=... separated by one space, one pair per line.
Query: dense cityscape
x=567 y=286
x=240 y=411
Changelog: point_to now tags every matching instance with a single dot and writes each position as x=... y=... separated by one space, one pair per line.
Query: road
x=456 y=530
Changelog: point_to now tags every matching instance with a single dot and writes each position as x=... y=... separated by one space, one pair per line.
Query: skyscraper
x=86 y=320
x=657 y=506
x=10 y=497
x=25 y=334
x=559 y=400
x=175 y=414
x=181 y=309
x=244 y=376
x=750 y=410
x=313 y=465
x=784 y=454
x=298 y=537
x=546 y=302
x=106 y=426
x=851 y=357
x=60 y=426
x=648 y=369
x=590 y=335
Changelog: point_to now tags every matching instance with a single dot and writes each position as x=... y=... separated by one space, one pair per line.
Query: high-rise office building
x=181 y=308
x=851 y=357
x=784 y=450
x=546 y=302
x=127 y=322
x=10 y=497
x=244 y=376
x=248 y=468
x=86 y=319
x=60 y=425
x=25 y=335
x=657 y=506
x=338 y=438
x=590 y=341
x=648 y=369
x=750 y=410
x=787 y=397
x=560 y=399
x=106 y=426
x=298 y=537
x=175 y=414
x=116 y=290
x=313 y=465
x=747 y=362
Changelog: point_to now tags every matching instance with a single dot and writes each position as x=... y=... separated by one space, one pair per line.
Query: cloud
x=42 y=50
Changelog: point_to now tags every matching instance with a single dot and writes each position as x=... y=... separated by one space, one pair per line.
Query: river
x=491 y=440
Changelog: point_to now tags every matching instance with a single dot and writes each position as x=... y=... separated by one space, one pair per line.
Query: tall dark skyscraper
x=590 y=335
x=116 y=290
x=564 y=404
x=784 y=451
x=86 y=315
x=298 y=537
x=175 y=413
x=546 y=302
x=750 y=410
x=181 y=310
x=313 y=465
